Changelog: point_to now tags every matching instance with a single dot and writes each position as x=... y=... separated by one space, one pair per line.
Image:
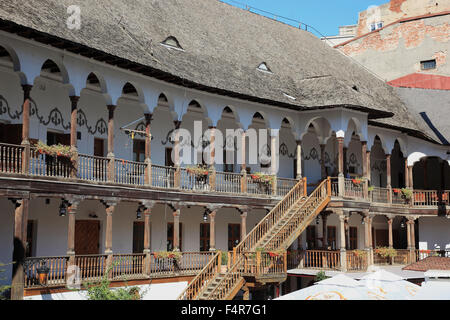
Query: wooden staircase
x=277 y=230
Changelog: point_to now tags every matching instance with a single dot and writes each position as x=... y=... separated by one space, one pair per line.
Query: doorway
x=87 y=237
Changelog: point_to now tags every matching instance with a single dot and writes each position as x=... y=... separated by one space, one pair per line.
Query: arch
x=197 y=103
x=415 y=157
x=291 y=122
x=94 y=78
x=402 y=144
x=9 y=53
x=51 y=66
x=262 y=116
x=130 y=89
x=322 y=127
x=353 y=127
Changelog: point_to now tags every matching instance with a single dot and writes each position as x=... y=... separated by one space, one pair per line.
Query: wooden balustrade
x=191 y=181
x=228 y=182
x=379 y=195
x=91 y=267
x=264 y=264
x=128 y=266
x=284 y=185
x=354 y=188
x=321 y=259
x=50 y=166
x=334 y=187
x=270 y=220
x=313 y=204
x=57 y=267
x=356 y=260
x=258 y=187
x=163 y=177
x=92 y=168
x=10 y=158
x=129 y=172
x=206 y=275
x=294 y=257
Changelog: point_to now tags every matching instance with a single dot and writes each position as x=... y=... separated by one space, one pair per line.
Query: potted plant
x=386 y=252
x=57 y=150
x=200 y=172
x=406 y=194
x=43 y=272
x=357 y=181
x=263 y=180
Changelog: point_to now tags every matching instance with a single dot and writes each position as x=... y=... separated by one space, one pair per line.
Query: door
x=353 y=245
x=87 y=237
x=138 y=236
x=311 y=237
x=234 y=235
x=382 y=238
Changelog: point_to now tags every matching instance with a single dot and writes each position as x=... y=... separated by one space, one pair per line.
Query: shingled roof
x=430 y=263
x=222 y=48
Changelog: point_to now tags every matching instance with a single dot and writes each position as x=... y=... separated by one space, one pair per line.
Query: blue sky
x=325 y=15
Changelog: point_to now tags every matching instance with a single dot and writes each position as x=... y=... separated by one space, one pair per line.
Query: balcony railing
x=314 y=259
x=92 y=268
x=99 y=169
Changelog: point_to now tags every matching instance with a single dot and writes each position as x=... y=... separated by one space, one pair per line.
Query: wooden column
x=364 y=168
x=273 y=161
x=244 y=163
x=323 y=172
x=388 y=177
x=369 y=169
x=110 y=206
x=176 y=150
x=411 y=178
x=408 y=233
x=388 y=170
x=71 y=212
x=111 y=157
x=341 y=181
x=246 y=295
x=324 y=231
x=212 y=230
x=73 y=135
x=212 y=167
x=243 y=225
x=299 y=160
x=343 y=254
x=176 y=229
x=19 y=245
x=148 y=152
x=406 y=174
x=148 y=205
x=26 y=127
x=370 y=260
x=344 y=149
x=391 y=239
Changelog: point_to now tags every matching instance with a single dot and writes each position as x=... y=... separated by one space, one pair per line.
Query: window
x=379 y=25
x=11 y=133
x=331 y=237
x=99 y=147
x=373 y=27
x=264 y=68
x=170 y=227
x=138 y=236
x=311 y=237
x=138 y=150
x=204 y=237
x=234 y=235
x=172 y=43
x=428 y=64
x=353 y=238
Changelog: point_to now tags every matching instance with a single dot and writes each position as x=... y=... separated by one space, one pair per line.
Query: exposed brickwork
x=413 y=33
x=396 y=5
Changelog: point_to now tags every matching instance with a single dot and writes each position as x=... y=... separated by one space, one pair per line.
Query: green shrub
x=224 y=258
x=321 y=276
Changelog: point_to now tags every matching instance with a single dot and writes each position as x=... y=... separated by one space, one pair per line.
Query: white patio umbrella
x=384 y=285
x=340 y=287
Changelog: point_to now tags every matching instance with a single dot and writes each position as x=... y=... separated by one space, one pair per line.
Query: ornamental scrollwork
x=100 y=127
x=5 y=109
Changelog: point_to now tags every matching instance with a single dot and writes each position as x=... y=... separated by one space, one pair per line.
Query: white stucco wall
x=434 y=233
